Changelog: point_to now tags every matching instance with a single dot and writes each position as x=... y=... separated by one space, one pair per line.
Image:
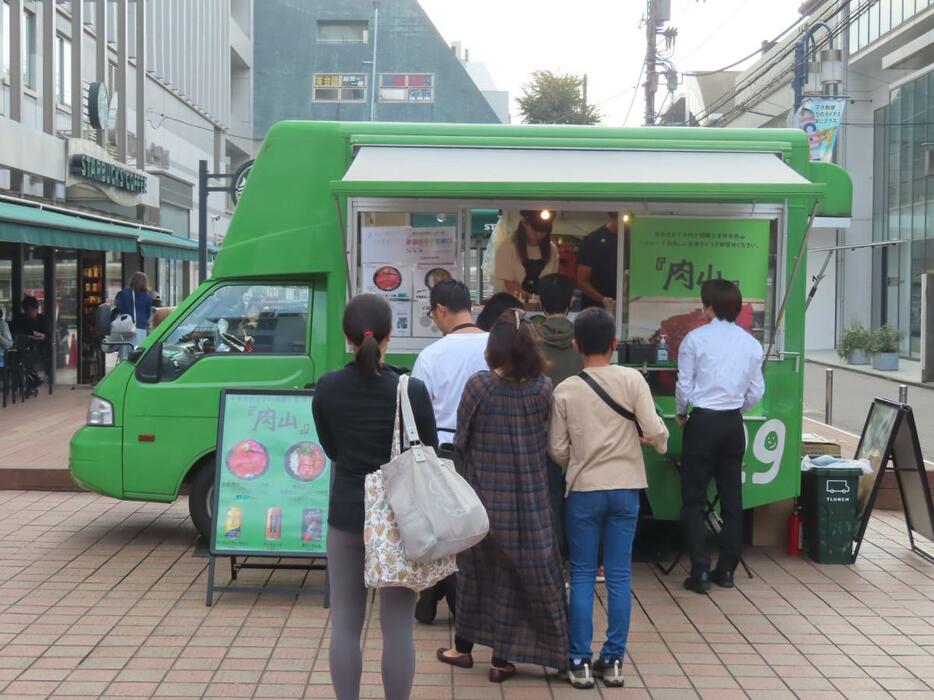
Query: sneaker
x=581 y=675
x=611 y=670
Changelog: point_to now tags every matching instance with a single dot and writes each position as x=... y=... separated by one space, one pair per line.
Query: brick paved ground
x=105 y=598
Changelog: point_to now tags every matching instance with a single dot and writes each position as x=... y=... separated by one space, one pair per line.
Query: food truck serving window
x=401 y=256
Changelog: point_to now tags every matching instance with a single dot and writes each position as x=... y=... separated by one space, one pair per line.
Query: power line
x=842 y=26
x=635 y=94
x=716 y=31
x=786 y=51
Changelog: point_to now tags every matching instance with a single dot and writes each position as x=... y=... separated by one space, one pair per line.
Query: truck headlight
x=100 y=412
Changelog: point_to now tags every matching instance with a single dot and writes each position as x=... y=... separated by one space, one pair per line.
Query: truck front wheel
x=201 y=500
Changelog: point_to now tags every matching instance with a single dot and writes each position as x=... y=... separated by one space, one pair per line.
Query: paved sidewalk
x=105 y=598
x=35 y=435
x=908 y=372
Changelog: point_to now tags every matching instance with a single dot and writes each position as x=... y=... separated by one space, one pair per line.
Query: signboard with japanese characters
x=272 y=476
x=670 y=258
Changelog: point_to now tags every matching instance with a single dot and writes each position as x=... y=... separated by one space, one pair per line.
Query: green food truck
x=336 y=209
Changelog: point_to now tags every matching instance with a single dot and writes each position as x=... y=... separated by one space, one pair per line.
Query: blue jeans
x=591 y=515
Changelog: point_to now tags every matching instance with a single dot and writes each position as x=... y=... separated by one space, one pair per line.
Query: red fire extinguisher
x=795 y=531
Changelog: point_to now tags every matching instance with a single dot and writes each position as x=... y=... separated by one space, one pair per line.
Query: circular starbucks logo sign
x=239 y=180
x=99 y=106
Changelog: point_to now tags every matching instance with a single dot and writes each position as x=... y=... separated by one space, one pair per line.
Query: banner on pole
x=820 y=119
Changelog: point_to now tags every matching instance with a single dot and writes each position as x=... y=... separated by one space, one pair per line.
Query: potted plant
x=854 y=345
x=883 y=344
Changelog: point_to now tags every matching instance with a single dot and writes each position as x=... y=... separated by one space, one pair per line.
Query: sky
x=604 y=39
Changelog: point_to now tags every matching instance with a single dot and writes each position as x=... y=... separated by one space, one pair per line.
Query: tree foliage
x=556 y=98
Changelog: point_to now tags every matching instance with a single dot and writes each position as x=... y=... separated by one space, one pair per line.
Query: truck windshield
x=239 y=319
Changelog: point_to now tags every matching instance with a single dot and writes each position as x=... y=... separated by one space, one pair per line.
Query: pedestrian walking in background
x=600 y=421
x=354 y=411
x=135 y=300
x=511 y=594
x=719 y=378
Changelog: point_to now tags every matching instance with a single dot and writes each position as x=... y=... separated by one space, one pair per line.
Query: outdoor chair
x=712 y=521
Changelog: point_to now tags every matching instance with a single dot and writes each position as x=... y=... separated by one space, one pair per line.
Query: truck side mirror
x=149 y=370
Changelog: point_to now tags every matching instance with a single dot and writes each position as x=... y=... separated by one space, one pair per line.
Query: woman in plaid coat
x=510 y=594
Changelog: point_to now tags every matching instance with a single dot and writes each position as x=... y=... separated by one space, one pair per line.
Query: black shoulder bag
x=608 y=400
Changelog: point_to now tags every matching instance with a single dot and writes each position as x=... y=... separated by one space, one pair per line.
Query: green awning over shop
x=153 y=244
x=41 y=227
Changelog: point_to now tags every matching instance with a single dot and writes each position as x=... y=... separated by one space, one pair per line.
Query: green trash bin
x=830 y=504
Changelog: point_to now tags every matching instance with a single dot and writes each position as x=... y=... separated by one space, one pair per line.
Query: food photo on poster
x=273 y=476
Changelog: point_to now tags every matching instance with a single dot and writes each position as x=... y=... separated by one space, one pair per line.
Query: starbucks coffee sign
x=104 y=173
x=92 y=174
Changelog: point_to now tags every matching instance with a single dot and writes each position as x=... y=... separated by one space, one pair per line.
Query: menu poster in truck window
x=427 y=275
x=272 y=476
x=401 y=318
x=669 y=260
x=408 y=245
x=432 y=245
x=390 y=280
x=384 y=244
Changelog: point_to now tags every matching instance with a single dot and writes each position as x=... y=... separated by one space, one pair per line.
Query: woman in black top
x=354 y=410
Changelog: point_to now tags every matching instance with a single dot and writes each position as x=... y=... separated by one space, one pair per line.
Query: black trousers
x=713 y=449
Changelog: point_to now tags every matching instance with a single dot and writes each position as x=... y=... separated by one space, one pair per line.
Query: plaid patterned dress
x=510 y=587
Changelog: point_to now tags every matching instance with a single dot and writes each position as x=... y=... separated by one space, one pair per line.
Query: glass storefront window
x=65 y=329
x=6 y=284
x=114 y=273
x=34 y=276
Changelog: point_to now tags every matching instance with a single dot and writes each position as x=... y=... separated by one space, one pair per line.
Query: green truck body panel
x=290 y=226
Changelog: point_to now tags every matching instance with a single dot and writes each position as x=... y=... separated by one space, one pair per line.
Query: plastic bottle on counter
x=662 y=354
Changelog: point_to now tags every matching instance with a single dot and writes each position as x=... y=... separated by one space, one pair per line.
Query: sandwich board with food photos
x=889 y=442
x=272 y=484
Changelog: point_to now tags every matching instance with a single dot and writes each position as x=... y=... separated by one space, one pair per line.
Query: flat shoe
x=501 y=675
x=462 y=661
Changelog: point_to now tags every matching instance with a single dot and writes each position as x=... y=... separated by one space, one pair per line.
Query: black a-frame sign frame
x=890 y=442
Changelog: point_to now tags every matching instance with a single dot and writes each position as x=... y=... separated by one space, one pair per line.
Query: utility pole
x=584 y=92
x=651 y=52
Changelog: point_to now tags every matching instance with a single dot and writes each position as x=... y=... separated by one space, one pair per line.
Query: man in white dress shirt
x=719 y=378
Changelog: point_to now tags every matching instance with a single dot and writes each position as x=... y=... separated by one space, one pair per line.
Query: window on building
x=63 y=70
x=339 y=87
x=4 y=42
x=406 y=87
x=343 y=31
x=29 y=50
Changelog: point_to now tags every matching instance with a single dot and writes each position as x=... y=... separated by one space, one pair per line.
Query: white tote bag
x=437 y=511
x=125 y=325
x=385 y=561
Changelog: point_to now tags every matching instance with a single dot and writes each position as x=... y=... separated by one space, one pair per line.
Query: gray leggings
x=348 y=611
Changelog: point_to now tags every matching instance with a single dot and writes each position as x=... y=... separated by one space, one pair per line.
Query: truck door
x=240 y=334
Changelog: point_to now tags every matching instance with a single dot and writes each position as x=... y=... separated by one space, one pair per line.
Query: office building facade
x=106 y=109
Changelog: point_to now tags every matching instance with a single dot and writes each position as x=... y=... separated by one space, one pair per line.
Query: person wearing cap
x=527 y=256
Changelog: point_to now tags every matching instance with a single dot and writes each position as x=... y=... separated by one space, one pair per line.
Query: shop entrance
x=65 y=327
